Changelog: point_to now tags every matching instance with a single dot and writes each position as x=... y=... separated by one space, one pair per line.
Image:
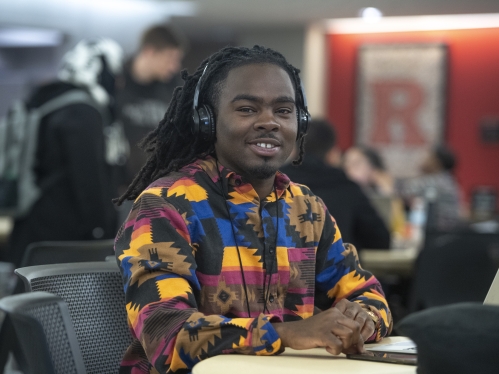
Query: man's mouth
x=265 y=145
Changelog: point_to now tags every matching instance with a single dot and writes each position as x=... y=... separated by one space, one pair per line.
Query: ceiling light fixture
x=29 y=37
x=370 y=14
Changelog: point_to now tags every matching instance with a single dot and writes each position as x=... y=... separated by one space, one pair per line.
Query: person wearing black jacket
x=358 y=221
x=72 y=167
x=146 y=88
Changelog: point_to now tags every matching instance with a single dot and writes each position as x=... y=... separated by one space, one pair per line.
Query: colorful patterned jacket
x=187 y=291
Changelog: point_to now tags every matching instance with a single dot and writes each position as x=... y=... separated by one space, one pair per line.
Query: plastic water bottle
x=417 y=219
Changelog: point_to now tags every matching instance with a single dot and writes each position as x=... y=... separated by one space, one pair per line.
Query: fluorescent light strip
x=413 y=23
x=135 y=7
x=29 y=37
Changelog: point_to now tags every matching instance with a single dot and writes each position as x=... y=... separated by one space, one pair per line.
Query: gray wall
x=287 y=40
x=22 y=68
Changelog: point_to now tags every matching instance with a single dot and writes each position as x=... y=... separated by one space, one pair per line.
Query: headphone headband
x=198 y=88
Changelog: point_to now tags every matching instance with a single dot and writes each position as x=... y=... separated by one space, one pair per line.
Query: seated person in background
x=359 y=222
x=221 y=253
x=365 y=166
x=437 y=184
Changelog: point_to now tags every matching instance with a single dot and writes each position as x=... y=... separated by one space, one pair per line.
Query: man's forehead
x=258 y=80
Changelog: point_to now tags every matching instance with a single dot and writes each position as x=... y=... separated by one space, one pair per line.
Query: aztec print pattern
x=182 y=275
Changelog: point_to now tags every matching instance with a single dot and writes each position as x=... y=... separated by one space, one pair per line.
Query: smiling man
x=221 y=253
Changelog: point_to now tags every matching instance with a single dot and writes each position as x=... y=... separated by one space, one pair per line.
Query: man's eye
x=246 y=110
x=284 y=111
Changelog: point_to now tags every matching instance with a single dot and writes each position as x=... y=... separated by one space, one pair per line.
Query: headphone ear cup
x=303 y=121
x=206 y=123
x=195 y=122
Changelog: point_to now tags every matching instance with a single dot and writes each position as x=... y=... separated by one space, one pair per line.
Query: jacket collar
x=215 y=171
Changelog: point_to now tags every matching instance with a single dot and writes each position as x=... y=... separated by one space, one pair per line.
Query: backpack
x=18 y=146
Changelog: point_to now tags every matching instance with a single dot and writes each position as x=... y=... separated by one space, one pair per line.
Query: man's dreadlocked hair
x=171 y=145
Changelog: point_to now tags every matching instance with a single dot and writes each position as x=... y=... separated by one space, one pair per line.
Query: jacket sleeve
x=158 y=265
x=340 y=276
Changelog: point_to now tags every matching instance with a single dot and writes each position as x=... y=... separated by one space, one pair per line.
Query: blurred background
x=398 y=76
x=321 y=37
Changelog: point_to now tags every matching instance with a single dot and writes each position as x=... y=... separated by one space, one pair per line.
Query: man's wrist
x=283 y=332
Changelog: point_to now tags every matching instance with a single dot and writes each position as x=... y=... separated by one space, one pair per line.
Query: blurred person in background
x=74 y=155
x=359 y=222
x=365 y=166
x=437 y=185
x=146 y=88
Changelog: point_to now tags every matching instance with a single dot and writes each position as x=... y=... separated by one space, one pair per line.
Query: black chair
x=453 y=268
x=59 y=252
x=94 y=294
x=45 y=339
x=459 y=338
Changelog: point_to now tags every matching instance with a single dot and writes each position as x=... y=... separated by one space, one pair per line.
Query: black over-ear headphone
x=204 y=119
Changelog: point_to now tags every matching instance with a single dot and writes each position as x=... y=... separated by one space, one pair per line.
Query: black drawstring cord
x=266 y=294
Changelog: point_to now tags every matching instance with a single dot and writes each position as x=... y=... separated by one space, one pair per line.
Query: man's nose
x=267 y=121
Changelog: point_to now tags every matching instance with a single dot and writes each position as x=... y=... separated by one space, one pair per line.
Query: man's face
x=165 y=63
x=256 y=120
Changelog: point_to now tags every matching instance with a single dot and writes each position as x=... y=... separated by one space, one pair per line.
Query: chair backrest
x=454 y=268
x=492 y=297
x=44 y=332
x=59 y=252
x=96 y=301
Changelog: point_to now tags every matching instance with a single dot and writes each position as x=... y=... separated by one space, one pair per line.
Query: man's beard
x=264 y=171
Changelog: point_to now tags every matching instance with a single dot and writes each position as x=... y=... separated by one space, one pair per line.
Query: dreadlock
x=172 y=145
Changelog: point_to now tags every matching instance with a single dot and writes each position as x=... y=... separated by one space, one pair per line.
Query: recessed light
x=370 y=14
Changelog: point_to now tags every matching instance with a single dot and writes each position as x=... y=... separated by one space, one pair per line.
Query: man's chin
x=264 y=171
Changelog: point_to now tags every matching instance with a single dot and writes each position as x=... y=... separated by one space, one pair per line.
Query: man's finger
x=334 y=345
x=361 y=319
x=341 y=305
x=348 y=331
x=365 y=323
x=351 y=311
x=355 y=348
x=367 y=329
x=360 y=345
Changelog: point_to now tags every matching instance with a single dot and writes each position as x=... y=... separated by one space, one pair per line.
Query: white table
x=315 y=360
x=389 y=262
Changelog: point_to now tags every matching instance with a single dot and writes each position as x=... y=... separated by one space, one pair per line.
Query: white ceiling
x=224 y=19
x=220 y=20
x=294 y=12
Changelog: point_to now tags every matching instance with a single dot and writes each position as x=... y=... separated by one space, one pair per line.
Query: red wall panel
x=472 y=93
